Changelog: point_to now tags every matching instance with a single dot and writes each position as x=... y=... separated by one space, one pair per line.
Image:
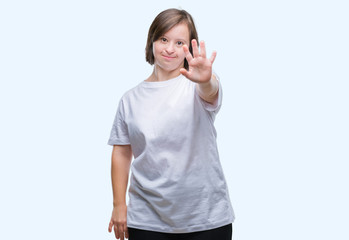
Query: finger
x=121 y=232
x=202 y=49
x=110 y=227
x=194 y=45
x=213 y=56
x=188 y=55
x=116 y=232
x=126 y=233
x=184 y=72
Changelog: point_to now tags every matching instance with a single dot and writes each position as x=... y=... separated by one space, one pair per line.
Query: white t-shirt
x=177 y=183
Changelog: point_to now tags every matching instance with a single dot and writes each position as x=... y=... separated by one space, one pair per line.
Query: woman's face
x=168 y=49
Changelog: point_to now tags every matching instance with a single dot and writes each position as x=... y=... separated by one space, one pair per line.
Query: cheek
x=156 y=48
x=181 y=54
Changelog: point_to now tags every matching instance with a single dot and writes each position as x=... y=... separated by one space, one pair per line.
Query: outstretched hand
x=200 y=67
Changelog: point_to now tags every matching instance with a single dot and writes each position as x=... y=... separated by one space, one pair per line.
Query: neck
x=159 y=74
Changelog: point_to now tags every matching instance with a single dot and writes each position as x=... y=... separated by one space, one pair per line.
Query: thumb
x=110 y=226
x=184 y=72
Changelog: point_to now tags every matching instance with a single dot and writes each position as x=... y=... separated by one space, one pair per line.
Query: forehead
x=180 y=30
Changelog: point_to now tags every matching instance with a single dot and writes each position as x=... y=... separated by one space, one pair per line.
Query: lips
x=168 y=57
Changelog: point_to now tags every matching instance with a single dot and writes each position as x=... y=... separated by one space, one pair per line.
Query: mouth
x=168 y=57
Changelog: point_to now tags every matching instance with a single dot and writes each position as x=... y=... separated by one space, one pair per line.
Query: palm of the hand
x=200 y=67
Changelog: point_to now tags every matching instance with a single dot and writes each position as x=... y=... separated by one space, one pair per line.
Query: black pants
x=221 y=233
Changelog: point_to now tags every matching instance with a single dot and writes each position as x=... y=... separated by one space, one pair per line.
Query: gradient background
x=283 y=130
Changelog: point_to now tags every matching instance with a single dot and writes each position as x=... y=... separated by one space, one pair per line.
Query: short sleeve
x=214 y=108
x=119 y=132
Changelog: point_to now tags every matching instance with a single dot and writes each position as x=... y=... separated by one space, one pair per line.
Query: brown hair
x=163 y=22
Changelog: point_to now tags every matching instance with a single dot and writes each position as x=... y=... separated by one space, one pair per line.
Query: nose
x=170 y=48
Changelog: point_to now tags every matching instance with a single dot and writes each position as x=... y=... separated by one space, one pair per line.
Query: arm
x=120 y=167
x=209 y=91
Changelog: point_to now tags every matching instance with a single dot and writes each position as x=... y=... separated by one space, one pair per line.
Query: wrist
x=211 y=85
x=208 y=91
x=205 y=84
x=119 y=204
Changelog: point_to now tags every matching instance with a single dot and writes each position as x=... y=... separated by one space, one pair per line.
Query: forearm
x=208 y=91
x=120 y=167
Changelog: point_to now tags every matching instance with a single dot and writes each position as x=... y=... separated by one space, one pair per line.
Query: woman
x=177 y=188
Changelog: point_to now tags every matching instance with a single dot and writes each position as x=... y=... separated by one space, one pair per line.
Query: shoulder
x=131 y=92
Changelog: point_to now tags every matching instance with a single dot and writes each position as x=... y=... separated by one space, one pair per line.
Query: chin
x=171 y=68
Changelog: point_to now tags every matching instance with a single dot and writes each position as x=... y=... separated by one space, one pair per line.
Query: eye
x=163 y=39
x=179 y=43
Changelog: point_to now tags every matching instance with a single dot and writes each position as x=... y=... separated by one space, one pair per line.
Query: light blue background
x=282 y=131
